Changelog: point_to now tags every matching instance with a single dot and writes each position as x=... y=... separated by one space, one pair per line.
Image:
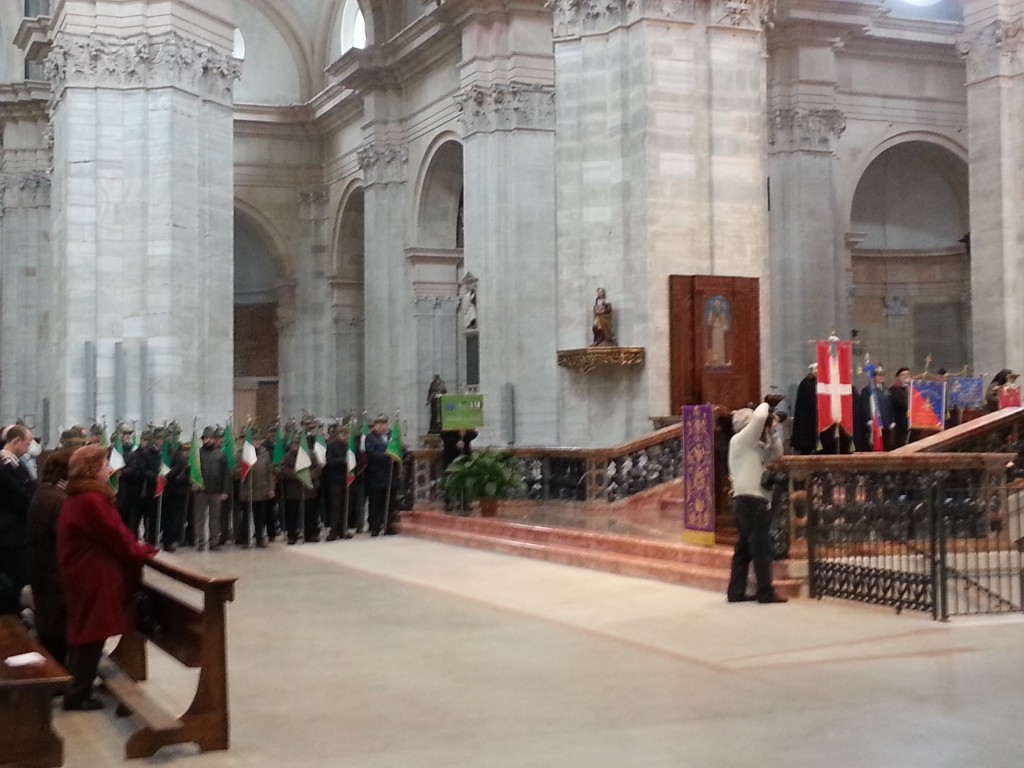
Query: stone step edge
x=673 y=572
x=716 y=556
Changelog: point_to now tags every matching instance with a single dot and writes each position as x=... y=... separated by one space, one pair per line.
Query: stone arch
x=909 y=254
x=263 y=294
x=440 y=207
x=349 y=235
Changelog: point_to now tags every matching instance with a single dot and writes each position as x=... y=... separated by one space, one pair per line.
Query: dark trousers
x=753 y=522
x=172 y=519
x=83 y=661
x=262 y=515
x=377 y=499
x=339 y=515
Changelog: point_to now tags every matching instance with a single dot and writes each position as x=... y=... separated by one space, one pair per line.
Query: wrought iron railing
x=568 y=474
x=930 y=532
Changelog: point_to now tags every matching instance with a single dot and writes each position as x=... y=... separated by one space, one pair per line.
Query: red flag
x=835 y=393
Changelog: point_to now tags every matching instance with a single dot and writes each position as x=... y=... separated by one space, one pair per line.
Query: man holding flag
x=335 y=482
x=835 y=396
x=382 y=455
x=210 y=485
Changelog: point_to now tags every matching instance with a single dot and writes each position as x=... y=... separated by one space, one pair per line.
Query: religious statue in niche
x=717 y=326
x=604 y=335
x=434 y=392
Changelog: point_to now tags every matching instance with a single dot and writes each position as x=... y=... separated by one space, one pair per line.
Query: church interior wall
x=273 y=71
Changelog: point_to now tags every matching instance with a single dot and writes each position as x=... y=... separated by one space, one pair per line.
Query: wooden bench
x=196 y=638
x=26 y=701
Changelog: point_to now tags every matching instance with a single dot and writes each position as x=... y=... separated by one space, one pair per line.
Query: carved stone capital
x=575 y=17
x=30 y=189
x=809 y=130
x=992 y=50
x=507 y=107
x=383 y=163
x=743 y=14
x=143 y=61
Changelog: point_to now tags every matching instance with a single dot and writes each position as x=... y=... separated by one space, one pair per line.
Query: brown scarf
x=88 y=485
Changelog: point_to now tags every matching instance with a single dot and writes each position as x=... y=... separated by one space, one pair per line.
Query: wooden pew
x=26 y=701
x=196 y=638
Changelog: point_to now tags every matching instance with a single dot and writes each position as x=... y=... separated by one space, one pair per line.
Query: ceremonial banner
x=835 y=393
x=966 y=392
x=462 y=411
x=698 y=475
x=927 y=404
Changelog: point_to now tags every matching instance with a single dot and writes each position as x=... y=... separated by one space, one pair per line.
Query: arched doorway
x=448 y=343
x=256 y=334
x=347 y=287
x=910 y=258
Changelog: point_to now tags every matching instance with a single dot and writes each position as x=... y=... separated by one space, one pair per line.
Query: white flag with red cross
x=835 y=391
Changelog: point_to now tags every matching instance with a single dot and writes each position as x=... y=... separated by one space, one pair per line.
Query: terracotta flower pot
x=488 y=507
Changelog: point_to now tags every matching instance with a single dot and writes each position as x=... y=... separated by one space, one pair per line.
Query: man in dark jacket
x=207 y=501
x=381 y=480
x=16 y=490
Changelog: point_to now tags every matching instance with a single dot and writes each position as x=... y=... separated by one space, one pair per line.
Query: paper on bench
x=30 y=659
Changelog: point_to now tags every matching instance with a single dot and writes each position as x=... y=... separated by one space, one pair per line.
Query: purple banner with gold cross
x=698 y=475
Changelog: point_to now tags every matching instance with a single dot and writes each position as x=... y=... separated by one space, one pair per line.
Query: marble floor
x=393 y=652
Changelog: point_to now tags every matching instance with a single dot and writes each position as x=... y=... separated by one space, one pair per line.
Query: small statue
x=604 y=336
x=434 y=392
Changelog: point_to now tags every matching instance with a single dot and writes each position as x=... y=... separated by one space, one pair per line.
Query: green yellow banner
x=462 y=411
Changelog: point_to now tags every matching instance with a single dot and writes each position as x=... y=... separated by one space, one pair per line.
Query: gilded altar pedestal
x=588 y=358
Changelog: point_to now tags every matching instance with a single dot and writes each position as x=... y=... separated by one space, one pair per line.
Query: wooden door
x=715 y=341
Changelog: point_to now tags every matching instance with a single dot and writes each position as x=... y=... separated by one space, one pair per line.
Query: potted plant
x=487 y=475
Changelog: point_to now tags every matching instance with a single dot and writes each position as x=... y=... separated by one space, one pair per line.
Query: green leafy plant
x=487 y=474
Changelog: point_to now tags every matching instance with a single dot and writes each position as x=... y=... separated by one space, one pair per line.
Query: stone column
x=347 y=315
x=661 y=169
x=436 y=337
x=309 y=340
x=509 y=151
x=992 y=46
x=807 y=268
x=390 y=375
x=143 y=203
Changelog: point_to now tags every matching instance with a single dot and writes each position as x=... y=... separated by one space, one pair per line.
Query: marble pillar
x=993 y=50
x=143 y=206
x=660 y=172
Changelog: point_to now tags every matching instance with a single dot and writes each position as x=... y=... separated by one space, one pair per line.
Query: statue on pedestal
x=604 y=335
x=434 y=392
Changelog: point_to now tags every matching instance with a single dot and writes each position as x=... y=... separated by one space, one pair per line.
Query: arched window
x=353 y=27
x=239 y=50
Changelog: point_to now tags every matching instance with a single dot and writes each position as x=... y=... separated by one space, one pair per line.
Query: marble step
x=702 y=567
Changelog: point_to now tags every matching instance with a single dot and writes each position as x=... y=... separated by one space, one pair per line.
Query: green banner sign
x=462 y=411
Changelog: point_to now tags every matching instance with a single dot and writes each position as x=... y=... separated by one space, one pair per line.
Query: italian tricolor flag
x=165 y=468
x=350 y=459
x=248 y=453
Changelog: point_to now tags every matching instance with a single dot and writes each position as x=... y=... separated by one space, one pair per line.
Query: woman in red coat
x=100 y=564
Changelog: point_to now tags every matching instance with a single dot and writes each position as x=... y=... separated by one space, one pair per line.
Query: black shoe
x=332 y=537
x=773 y=598
x=741 y=598
x=215 y=547
x=85 y=705
x=293 y=539
x=375 y=533
x=391 y=531
x=261 y=544
x=172 y=547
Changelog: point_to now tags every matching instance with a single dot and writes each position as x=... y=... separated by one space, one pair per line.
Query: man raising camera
x=754 y=443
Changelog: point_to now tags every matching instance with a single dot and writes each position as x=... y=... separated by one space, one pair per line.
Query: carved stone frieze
x=574 y=17
x=30 y=189
x=814 y=130
x=994 y=49
x=144 y=61
x=383 y=163
x=507 y=107
x=743 y=14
